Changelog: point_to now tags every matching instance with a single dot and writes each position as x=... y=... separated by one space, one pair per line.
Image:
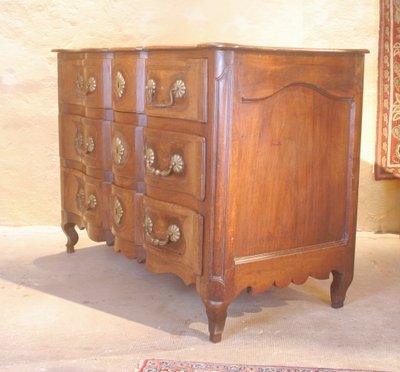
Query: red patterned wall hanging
x=387 y=164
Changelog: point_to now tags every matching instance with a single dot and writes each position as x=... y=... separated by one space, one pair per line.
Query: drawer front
x=85 y=196
x=176 y=88
x=96 y=85
x=128 y=83
x=127 y=140
x=70 y=76
x=71 y=139
x=126 y=220
x=95 y=203
x=72 y=191
x=85 y=144
x=96 y=145
x=172 y=237
x=175 y=161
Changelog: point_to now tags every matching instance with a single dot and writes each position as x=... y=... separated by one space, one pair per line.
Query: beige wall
x=29 y=187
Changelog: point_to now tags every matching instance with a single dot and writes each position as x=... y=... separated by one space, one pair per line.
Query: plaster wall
x=29 y=29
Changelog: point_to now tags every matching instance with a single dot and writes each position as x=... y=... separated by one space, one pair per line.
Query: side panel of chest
x=293 y=160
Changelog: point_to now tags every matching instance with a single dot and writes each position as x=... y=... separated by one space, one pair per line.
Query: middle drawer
x=85 y=144
x=175 y=161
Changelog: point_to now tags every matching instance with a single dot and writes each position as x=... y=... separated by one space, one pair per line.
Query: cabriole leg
x=339 y=286
x=72 y=236
x=216 y=313
x=109 y=238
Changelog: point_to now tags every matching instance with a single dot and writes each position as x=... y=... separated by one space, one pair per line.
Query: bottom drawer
x=72 y=191
x=126 y=221
x=172 y=239
x=88 y=199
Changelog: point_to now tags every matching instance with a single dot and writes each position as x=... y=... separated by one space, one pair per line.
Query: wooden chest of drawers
x=232 y=167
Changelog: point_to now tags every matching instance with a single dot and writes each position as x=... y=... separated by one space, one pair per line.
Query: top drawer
x=85 y=79
x=97 y=80
x=176 y=87
x=128 y=82
x=70 y=74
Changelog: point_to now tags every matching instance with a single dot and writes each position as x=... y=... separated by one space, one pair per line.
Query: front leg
x=110 y=239
x=72 y=236
x=216 y=313
x=339 y=286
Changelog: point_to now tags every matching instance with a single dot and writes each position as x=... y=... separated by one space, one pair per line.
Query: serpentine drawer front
x=233 y=167
x=126 y=223
x=173 y=239
x=176 y=87
x=86 y=199
x=176 y=163
x=126 y=142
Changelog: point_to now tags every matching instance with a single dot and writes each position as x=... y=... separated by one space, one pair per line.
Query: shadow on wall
x=378 y=203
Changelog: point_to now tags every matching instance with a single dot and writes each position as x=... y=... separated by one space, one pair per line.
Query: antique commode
x=232 y=167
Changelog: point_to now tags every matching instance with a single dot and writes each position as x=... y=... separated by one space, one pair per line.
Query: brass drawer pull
x=119 y=84
x=89 y=147
x=119 y=150
x=91 y=85
x=92 y=202
x=85 y=89
x=173 y=233
x=175 y=164
x=80 y=200
x=177 y=91
x=86 y=148
x=118 y=211
x=78 y=142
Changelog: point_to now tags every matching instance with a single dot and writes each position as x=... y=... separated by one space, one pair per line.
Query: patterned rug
x=158 y=365
x=387 y=162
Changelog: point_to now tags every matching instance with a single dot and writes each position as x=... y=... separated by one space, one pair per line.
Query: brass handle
x=89 y=147
x=118 y=211
x=175 y=164
x=80 y=200
x=79 y=83
x=92 y=202
x=85 y=89
x=78 y=142
x=86 y=148
x=177 y=91
x=91 y=85
x=119 y=150
x=172 y=236
x=119 y=84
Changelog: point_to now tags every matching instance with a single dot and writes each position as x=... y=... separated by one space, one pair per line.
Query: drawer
x=85 y=79
x=126 y=219
x=172 y=238
x=85 y=196
x=96 y=84
x=176 y=87
x=128 y=83
x=96 y=146
x=175 y=161
x=71 y=136
x=70 y=77
x=85 y=144
x=89 y=199
x=95 y=203
x=128 y=168
x=72 y=191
